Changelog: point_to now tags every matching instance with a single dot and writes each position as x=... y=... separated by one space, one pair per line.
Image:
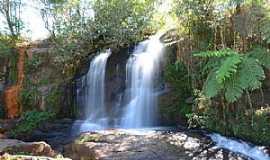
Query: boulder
x=13 y=146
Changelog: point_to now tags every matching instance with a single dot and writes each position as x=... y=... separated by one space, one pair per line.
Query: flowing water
x=94 y=93
x=240 y=147
x=142 y=70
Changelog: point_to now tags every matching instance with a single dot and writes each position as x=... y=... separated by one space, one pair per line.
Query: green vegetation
x=176 y=74
x=228 y=73
x=29 y=121
x=227 y=55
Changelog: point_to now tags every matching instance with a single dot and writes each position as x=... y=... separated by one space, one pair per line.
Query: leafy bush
x=176 y=75
x=196 y=121
x=30 y=121
x=5 y=46
x=33 y=64
x=52 y=99
x=29 y=95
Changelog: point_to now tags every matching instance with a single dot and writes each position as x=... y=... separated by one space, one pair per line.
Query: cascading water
x=94 y=93
x=239 y=147
x=142 y=70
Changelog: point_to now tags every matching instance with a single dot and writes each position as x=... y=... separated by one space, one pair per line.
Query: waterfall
x=93 y=98
x=142 y=72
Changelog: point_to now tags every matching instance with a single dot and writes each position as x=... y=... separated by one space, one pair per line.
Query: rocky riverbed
x=145 y=145
x=114 y=144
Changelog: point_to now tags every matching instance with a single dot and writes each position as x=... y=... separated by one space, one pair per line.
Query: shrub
x=30 y=121
x=176 y=74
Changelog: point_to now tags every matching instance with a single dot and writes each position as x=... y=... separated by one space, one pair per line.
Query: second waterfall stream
x=142 y=72
x=93 y=98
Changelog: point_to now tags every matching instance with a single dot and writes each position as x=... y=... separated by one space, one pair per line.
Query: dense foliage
x=29 y=121
x=227 y=52
x=228 y=73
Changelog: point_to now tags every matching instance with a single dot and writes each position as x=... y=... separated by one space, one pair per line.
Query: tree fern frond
x=265 y=29
x=220 y=53
x=211 y=86
x=211 y=64
x=250 y=74
x=233 y=90
x=228 y=67
x=262 y=55
x=235 y=73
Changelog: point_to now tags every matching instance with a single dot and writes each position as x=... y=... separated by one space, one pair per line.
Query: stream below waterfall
x=162 y=143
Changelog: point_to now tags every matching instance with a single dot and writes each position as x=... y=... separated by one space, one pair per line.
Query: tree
x=11 y=10
x=122 y=21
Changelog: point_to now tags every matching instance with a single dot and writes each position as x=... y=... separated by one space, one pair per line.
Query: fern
x=235 y=73
x=228 y=67
x=248 y=77
x=212 y=63
x=211 y=86
x=221 y=53
x=250 y=74
x=265 y=29
x=262 y=55
x=233 y=90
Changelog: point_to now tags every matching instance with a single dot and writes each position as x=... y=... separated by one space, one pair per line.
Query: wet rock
x=2 y=136
x=13 y=146
x=159 y=145
x=56 y=133
x=168 y=111
x=7 y=125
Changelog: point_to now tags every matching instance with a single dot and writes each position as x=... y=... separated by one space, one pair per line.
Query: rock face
x=149 y=145
x=12 y=93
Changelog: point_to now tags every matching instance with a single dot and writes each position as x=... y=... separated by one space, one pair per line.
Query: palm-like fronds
x=228 y=67
x=262 y=55
x=211 y=54
x=234 y=73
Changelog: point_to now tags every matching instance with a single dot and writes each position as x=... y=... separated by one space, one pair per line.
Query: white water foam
x=239 y=146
